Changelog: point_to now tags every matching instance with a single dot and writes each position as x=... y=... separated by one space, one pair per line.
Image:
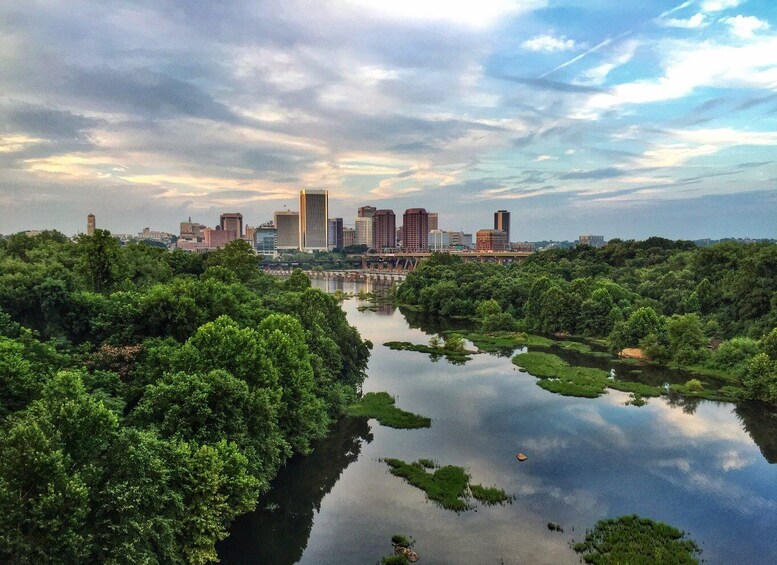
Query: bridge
x=403 y=261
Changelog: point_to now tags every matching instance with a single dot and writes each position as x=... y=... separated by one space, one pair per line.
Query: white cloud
x=470 y=13
x=545 y=158
x=549 y=44
x=624 y=54
x=719 y=5
x=694 y=22
x=745 y=26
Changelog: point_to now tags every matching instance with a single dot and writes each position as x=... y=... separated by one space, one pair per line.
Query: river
x=703 y=467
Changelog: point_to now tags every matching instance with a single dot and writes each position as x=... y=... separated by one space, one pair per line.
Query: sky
x=626 y=119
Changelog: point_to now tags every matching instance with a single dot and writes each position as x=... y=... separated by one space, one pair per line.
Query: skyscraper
x=384 y=229
x=266 y=238
x=90 y=224
x=502 y=222
x=349 y=235
x=415 y=230
x=335 y=238
x=313 y=220
x=491 y=240
x=287 y=225
x=232 y=221
x=365 y=212
x=433 y=221
x=363 y=226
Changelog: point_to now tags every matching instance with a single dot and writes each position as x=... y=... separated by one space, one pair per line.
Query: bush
x=502 y=322
x=734 y=353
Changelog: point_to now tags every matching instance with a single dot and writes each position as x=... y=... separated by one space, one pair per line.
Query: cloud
x=549 y=44
x=694 y=22
x=745 y=26
x=605 y=173
x=719 y=5
x=624 y=54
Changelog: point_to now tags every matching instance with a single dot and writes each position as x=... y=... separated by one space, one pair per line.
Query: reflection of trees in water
x=689 y=404
x=760 y=421
x=278 y=531
x=434 y=324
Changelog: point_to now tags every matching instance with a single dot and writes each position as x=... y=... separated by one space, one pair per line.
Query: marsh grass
x=381 y=406
x=637 y=541
x=450 y=354
x=489 y=495
x=447 y=486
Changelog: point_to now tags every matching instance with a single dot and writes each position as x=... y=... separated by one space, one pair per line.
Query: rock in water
x=521 y=457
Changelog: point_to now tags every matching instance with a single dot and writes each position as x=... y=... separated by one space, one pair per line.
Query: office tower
x=349 y=237
x=266 y=239
x=592 y=240
x=191 y=231
x=363 y=225
x=415 y=230
x=232 y=221
x=313 y=220
x=384 y=229
x=399 y=236
x=365 y=212
x=433 y=221
x=218 y=237
x=491 y=240
x=439 y=240
x=502 y=222
x=335 y=231
x=287 y=225
x=90 y=224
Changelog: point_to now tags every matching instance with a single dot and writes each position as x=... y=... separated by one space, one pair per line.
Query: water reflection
x=761 y=424
x=278 y=531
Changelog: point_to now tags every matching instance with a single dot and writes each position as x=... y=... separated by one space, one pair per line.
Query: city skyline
x=628 y=119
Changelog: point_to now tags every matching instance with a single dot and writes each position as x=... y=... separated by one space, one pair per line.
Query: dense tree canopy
x=147 y=397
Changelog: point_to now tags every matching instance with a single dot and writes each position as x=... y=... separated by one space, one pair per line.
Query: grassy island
x=380 y=405
x=454 y=355
x=637 y=541
x=448 y=486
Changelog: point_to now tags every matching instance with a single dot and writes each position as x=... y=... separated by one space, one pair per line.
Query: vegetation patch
x=380 y=405
x=556 y=375
x=447 y=486
x=441 y=351
x=637 y=541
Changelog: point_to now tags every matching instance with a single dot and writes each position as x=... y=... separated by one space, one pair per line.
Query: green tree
x=488 y=308
x=297 y=282
x=759 y=379
x=98 y=255
x=769 y=344
x=237 y=256
x=686 y=338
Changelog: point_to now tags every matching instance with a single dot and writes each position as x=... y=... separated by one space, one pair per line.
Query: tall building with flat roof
x=266 y=239
x=313 y=220
x=335 y=234
x=415 y=230
x=433 y=221
x=502 y=222
x=363 y=226
x=439 y=240
x=90 y=224
x=491 y=240
x=349 y=236
x=232 y=221
x=592 y=240
x=365 y=212
x=287 y=225
x=218 y=237
x=384 y=229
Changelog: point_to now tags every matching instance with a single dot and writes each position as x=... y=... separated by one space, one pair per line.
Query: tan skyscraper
x=90 y=224
x=502 y=222
x=287 y=224
x=313 y=220
x=232 y=221
x=433 y=221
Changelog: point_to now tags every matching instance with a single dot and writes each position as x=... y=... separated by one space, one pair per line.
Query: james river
x=707 y=468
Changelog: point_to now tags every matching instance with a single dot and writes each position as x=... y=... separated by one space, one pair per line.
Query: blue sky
x=628 y=119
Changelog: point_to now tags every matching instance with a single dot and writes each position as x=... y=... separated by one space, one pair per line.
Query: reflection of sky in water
x=588 y=459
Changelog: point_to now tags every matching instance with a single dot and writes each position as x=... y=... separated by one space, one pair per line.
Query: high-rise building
x=287 y=226
x=249 y=235
x=461 y=240
x=502 y=222
x=335 y=231
x=415 y=230
x=191 y=231
x=218 y=237
x=232 y=221
x=592 y=240
x=266 y=239
x=439 y=240
x=384 y=229
x=491 y=240
x=365 y=212
x=363 y=225
x=433 y=221
x=399 y=236
x=349 y=237
x=313 y=220
x=90 y=224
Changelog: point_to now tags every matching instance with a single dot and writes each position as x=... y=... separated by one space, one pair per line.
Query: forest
x=147 y=398
x=711 y=309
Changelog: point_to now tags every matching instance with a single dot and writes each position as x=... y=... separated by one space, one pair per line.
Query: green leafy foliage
x=147 y=400
x=380 y=405
x=637 y=541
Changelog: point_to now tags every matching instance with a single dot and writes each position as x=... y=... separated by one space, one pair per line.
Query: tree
x=759 y=378
x=297 y=281
x=237 y=256
x=686 y=338
x=769 y=344
x=99 y=259
x=488 y=308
